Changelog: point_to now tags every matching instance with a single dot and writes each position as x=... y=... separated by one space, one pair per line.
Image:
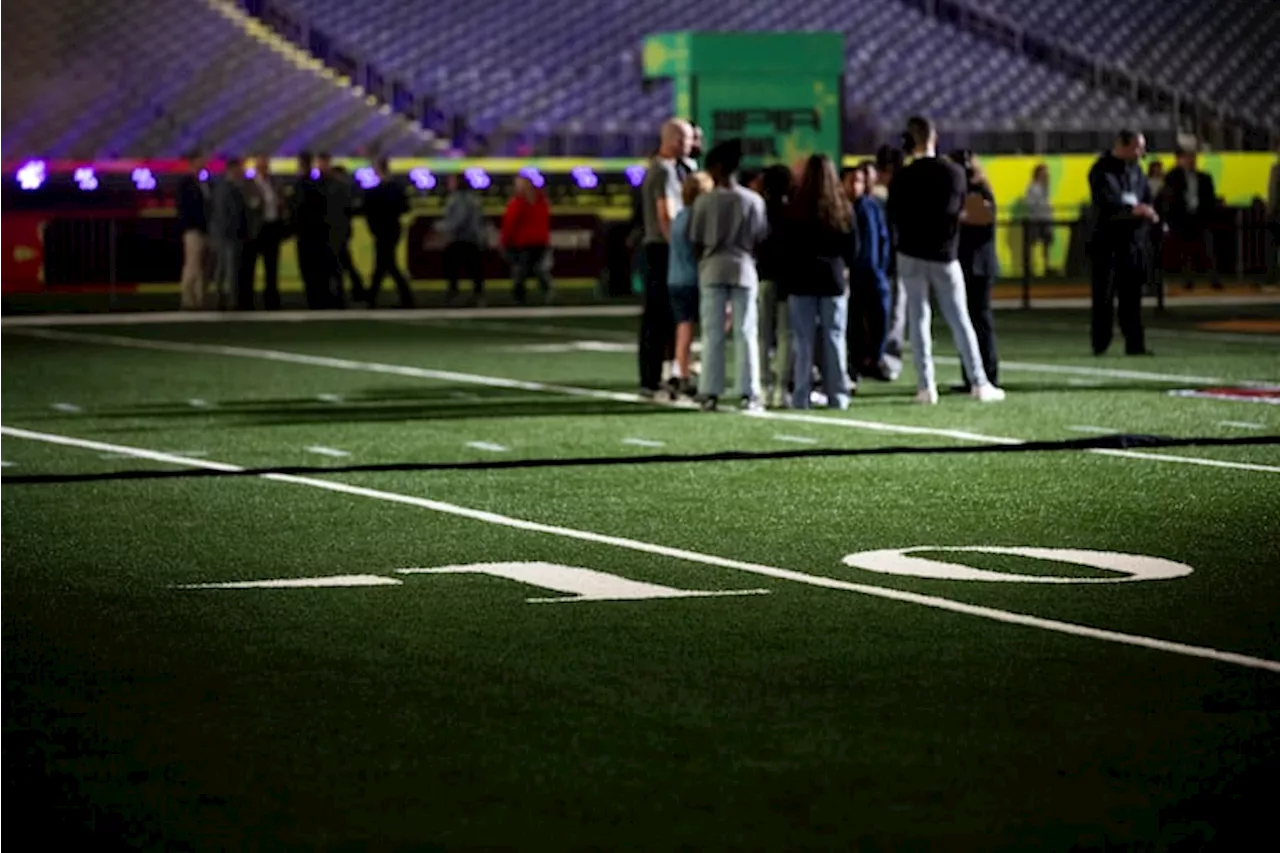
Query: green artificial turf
x=448 y=712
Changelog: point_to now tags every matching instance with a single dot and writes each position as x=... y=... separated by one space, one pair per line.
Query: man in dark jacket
x=1118 y=251
x=869 y=293
x=310 y=211
x=1188 y=202
x=465 y=231
x=229 y=232
x=384 y=204
x=340 y=193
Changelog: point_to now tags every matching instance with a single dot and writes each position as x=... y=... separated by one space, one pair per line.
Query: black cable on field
x=1106 y=442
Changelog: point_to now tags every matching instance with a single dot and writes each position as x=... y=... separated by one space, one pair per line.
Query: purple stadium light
x=315 y=174
x=478 y=178
x=204 y=175
x=422 y=179
x=585 y=178
x=534 y=176
x=31 y=175
x=85 y=178
x=251 y=173
x=143 y=179
x=635 y=174
x=367 y=178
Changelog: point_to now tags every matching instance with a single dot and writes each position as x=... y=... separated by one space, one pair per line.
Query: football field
x=443 y=581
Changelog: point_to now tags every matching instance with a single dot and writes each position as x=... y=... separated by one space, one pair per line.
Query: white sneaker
x=927 y=396
x=987 y=393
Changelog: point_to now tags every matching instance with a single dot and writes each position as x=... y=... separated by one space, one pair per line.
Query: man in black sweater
x=926 y=201
x=1123 y=209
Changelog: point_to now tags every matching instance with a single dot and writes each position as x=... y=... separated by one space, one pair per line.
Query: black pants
x=347 y=268
x=1195 y=251
x=318 y=266
x=266 y=247
x=869 y=306
x=462 y=258
x=524 y=263
x=1118 y=276
x=384 y=264
x=657 y=322
x=977 y=290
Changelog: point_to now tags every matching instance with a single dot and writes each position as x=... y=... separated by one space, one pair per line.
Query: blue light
x=31 y=175
x=422 y=179
x=251 y=173
x=478 y=178
x=143 y=179
x=204 y=175
x=585 y=178
x=367 y=178
x=86 y=179
x=315 y=174
x=534 y=176
x=635 y=174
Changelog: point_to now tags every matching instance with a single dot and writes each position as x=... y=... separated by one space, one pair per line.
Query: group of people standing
x=246 y=214
x=810 y=271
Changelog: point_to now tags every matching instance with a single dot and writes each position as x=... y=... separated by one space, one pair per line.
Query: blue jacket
x=874 y=247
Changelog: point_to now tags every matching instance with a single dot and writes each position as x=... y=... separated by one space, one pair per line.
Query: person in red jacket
x=526 y=238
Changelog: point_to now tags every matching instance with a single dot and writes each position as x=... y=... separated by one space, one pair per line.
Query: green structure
x=780 y=93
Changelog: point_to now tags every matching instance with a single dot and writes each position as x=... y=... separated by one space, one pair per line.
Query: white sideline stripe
x=643 y=442
x=567 y=390
x=933 y=601
x=329 y=398
x=327 y=451
x=1242 y=424
x=1188 y=460
x=1100 y=430
x=487 y=445
x=1073 y=370
x=197 y=403
x=4 y=463
x=795 y=439
x=69 y=408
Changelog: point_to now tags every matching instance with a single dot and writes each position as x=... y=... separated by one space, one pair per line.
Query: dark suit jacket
x=1173 y=201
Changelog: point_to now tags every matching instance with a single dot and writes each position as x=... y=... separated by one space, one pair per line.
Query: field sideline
x=445 y=581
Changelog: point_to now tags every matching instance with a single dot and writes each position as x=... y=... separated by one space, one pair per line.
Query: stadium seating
x=93 y=78
x=1225 y=52
x=497 y=63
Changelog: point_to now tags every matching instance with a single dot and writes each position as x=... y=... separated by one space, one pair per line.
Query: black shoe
x=709 y=404
x=648 y=393
x=962 y=388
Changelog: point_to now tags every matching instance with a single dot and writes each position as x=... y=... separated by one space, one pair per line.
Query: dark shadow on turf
x=1117 y=442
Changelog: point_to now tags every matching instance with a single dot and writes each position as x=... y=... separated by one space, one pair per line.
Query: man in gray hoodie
x=466 y=233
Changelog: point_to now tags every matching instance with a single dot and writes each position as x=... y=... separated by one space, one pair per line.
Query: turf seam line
x=935 y=602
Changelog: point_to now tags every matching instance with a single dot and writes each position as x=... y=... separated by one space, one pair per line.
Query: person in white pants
x=926 y=201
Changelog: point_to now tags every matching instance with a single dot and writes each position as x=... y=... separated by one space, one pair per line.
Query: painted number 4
x=573 y=583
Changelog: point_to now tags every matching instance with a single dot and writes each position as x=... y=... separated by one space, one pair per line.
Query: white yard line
x=487 y=445
x=935 y=602
x=1186 y=460
x=1242 y=424
x=549 y=388
x=795 y=439
x=197 y=403
x=329 y=398
x=4 y=463
x=643 y=442
x=1099 y=430
x=67 y=408
x=321 y=450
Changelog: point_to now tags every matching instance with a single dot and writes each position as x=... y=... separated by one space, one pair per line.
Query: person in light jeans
x=725 y=227
x=926 y=203
x=821 y=243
